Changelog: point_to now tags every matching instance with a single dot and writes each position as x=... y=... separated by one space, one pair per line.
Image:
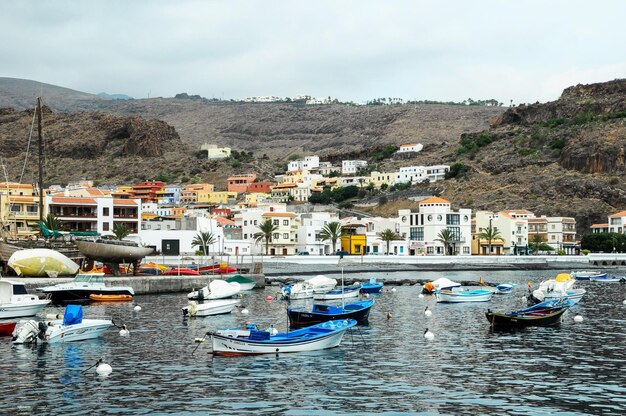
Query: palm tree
x=52 y=222
x=490 y=233
x=333 y=232
x=388 y=236
x=203 y=239
x=536 y=242
x=446 y=237
x=267 y=229
x=120 y=231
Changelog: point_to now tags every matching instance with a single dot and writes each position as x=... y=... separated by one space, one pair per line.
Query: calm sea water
x=385 y=368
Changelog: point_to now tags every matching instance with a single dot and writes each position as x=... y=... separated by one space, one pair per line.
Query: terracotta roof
x=97 y=192
x=600 y=225
x=23 y=198
x=409 y=144
x=279 y=214
x=224 y=221
x=519 y=211
x=124 y=202
x=619 y=214
x=504 y=214
x=70 y=200
x=434 y=200
x=537 y=220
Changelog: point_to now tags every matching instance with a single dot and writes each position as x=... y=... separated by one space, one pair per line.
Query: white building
x=309 y=163
x=308 y=233
x=411 y=174
x=411 y=147
x=423 y=226
x=215 y=152
x=437 y=172
x=512 y=229
x=350 y=167
x=177 y=235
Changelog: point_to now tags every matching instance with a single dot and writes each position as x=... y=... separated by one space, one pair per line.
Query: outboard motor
x=201 y=294
x=42 y=330
x=27 y=332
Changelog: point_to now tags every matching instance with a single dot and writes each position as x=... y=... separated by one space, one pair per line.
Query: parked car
x=303 y=253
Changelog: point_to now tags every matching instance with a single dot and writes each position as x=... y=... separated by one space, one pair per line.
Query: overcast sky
x=524 y=51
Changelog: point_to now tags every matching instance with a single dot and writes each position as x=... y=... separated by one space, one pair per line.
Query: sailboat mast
x=40 y=136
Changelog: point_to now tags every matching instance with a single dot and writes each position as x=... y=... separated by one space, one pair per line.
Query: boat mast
x=38 y=111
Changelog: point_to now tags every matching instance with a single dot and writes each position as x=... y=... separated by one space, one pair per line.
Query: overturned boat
x=112 y=251
x=41 y=262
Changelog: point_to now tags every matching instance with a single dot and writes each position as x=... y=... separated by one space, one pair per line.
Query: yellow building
x=353 y=239
x=378 y=178
x=19 y=209
x=255 y=198
x=223 y=197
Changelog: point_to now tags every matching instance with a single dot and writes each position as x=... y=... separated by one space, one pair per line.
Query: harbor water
x=387 y=367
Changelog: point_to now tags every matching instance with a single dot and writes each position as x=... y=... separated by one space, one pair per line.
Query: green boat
x=244 y=282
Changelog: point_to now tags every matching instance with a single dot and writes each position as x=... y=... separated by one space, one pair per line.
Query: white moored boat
x=305 y=289
x=15 y=301
x=211 y=307
x=69 y=329
x=82 y=287
x=342 y=293
x=453 y=296
x=560 y=287
x=252 y=341
x=41 y=262
x=217 y=289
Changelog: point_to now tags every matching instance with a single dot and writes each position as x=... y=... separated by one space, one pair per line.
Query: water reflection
x=386 y=366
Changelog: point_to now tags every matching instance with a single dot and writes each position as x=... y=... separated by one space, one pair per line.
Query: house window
x=245 y=236
x=275 y=222
x=276 y=236
x=254 y=222
x=285 y=222
x=105 y=212
x=245 y=222
x=286 y=236
x=430 y=250
x=105 y=226
x=466 y=250
x=456 y=233
x=453 y=219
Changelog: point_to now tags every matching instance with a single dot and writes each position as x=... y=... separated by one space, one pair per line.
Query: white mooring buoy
x=137 y=308
x=578 y=318
x=428 y=312
x=428 y=334
x=103 y=369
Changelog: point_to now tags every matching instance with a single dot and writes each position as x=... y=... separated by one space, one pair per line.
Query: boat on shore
x=16 y=302
x=301 y=316
x=41 y=262
x=181 y=271
x=112 y=251
x=82 y=287
x=253 y=341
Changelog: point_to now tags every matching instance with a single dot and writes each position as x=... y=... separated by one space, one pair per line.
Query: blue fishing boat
x=608 y=279
x=372 y=286
x=253 y=341
x=504 y=288
x=359 y=311
x=588 y=275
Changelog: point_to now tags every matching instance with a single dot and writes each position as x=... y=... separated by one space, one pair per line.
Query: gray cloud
x=354 y=50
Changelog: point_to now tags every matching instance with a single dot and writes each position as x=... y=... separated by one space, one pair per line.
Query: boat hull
x=299 y=317
x=337 y=294
x=88 y=329
x=112 y=252
x=213 y=307
x=589 y=275
x=232 y=346
x=371 y=287
x=69 y=295
x=110 y=298
x=482 y=295
x=574 y=295
x=41 y=262
x=24 y=308
x=7 y=328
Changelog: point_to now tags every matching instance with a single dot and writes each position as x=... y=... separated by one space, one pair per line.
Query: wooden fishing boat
x=252 y=341
x=359 y=311
x=110 y=298
x=545 y=313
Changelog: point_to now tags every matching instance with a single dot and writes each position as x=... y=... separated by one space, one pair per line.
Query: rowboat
x=453 y=296
x=372 y=286
x=545 y=313
x=341 y=293
x=359 y=311
x=588 y=275
x=609 y=279
x=110 y=298
x=253 y=341
x=211 y=307
x=504 y=288
x=443 y=283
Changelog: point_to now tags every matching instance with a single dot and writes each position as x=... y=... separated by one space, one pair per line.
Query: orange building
x=240 y=183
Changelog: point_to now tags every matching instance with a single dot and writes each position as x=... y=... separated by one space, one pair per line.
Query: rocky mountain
x=562 y=158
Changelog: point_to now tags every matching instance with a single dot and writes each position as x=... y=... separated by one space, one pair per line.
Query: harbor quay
x=273 y=270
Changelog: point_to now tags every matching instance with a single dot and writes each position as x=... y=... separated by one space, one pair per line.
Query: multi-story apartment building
x=99 y=215
x=19 y=210
x=351 y=167
x=283 y=241
x=170 y=194
x=308 y=233
x=513 y=233
x=309 y=163
x=422 y=228
x=146 y=191
x=239 y=183
x=617 y=223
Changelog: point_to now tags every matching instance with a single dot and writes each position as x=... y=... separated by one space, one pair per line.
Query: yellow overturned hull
x=41 y=262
